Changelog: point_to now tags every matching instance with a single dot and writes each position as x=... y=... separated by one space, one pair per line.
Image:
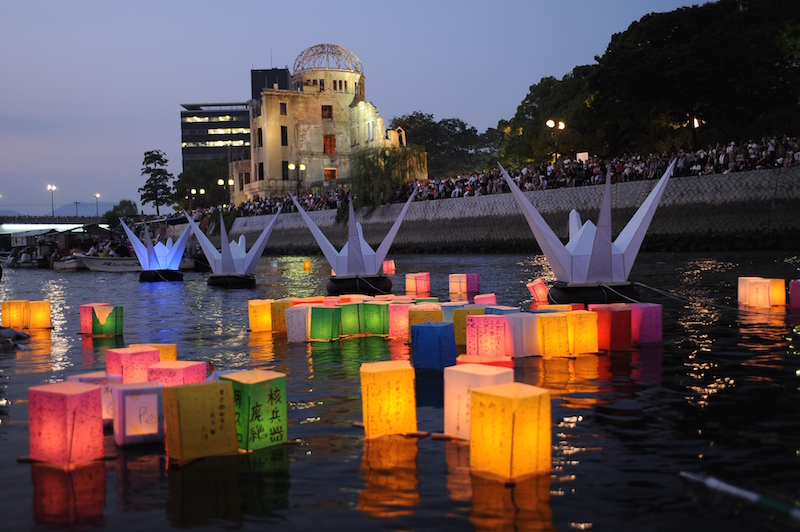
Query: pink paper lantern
x=488 y=335
x=131 y=362
x=794 y=294
x=177 y=372
x=485 y=299
x=86 y=316
x=398 y=320
x=646 y=323
x=66 y=423
x=104 y=381
x=388 y=267
x=539 y=290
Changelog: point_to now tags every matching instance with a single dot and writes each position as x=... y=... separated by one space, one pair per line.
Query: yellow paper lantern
x=552 y=332
x=510 y=429
x=388 y=398
x=39 y=314
x=582 y=329
x=278 y=309
x=16 y=313
x=167 y=352
x=260 y=314
x=459 y=381
x=422 y=313
x=307 y=265
x=460 y=321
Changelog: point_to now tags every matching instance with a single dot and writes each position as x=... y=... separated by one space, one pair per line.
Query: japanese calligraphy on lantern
x=259 y=399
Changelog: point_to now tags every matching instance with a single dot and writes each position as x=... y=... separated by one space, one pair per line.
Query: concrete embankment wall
x=744 y=210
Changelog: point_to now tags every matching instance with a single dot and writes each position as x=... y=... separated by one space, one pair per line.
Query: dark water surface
x=721 y=396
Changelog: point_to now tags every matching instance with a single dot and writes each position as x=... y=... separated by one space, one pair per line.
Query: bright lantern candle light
x=138 y=413
x=539 y=290
x=459 y=381
x=398 y=319
x=39 y=314
x=582 y=328
x=388 y=267
x=388 y=396
x=259 y=312
x=131 y=362
x=16 y=313
x=510 y=429
x=167 y=352
x=488 y=335
x=103 y=381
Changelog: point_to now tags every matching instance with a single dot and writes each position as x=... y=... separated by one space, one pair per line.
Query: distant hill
x=6 y=212
x=87 y=208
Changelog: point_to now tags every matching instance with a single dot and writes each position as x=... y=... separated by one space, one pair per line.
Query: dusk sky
x=87 y=87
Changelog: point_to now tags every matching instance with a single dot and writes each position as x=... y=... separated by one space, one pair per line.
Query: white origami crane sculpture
x=356 y=257
x=160 y=256
x=590 y=258
x=234 y=259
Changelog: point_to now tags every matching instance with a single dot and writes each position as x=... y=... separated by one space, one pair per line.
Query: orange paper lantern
x=388 y=398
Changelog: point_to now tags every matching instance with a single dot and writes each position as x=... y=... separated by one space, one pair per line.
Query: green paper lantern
x=325 y=323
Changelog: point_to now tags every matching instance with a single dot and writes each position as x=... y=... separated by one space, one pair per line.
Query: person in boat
x=122 y=251
x=92 y=251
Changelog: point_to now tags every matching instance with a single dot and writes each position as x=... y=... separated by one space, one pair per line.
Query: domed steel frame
x=327 y=57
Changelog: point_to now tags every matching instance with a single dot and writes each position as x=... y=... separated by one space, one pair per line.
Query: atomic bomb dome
x=327 y=57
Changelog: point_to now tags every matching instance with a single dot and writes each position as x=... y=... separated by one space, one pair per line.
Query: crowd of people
x=769 y=152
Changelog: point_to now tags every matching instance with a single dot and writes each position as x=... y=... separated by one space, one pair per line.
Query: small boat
x=112 y=264
x=70 y=263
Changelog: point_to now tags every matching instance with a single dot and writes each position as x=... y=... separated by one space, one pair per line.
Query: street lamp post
x=227 y=184
x=52 y=189
x=192 y=196
x=555 y=126
x=298 y=175
x=97 y=205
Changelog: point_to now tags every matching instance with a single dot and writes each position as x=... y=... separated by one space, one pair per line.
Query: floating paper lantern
x=552 y=333
x=742 y=288
x=613 y=327
x=761 y=293
x=278 y=309
x=539 y=290
x=388 y=398
x=131 y=362
x=501 y=309
x=353 y=319
x=138 y=413
x=460 y=321
x=566 y=307
x=105 y=382
x=524 y=341
x=16 y=313
x=298 y=321
x=177 y=372
x=260 y=403
x=458 y=283
x=459 y=381
x=423 y=300
x=487 y=335
x=448 y=307
x=582 y=329
x=485 y=299
x=433 y=345
x=418 y=283
x=106 y=320
x=166 y=352
x=260 y=314
x=388 y=267
x=69 y=497
x=87 y=312
x=307 y=265
x=503 y=361
x=421 y=314
x=398 y=319
x=66 y=423
x=389 y=468
x=325 y=323
x=376 y=317
x=39 y=314
x=510 y=429
x=200 y=420
x=646 y=323
x=794 y=294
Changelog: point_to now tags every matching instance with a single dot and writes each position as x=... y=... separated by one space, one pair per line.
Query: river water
x=720 y=396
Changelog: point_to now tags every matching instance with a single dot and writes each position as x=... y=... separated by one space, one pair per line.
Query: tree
x=123 y=208
x=203 y=175
x=156 y=189
x=375 y=170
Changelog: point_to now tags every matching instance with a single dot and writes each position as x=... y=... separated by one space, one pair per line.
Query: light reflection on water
x=719 y=395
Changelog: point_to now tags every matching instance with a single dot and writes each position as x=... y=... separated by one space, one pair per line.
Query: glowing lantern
x=106 y=320
x=510 y=429
x=389 y=467
x=501 y=309
x=376 y=317
x=411 y=283
x=278 y=309
x=460 y=321
x=260 y=314
x=433 y=345
x=485 y=299
x=552 y=333
x=39 y=314
x=613 y=327
x=307 y=265
x=69 y=497
x=166 y=352
x=761 y=293
x=646 y=323
x=388 y=267
x=459 y=381
x=742 y=289
x=487 y=335
x=16 y=313
x=177 y=372
x=87 y=311
x=566 y=307
x=200 y=420
x=418 y=283
x=105 y=382
x=539 y=290
x=421 y=314
x=503 y=361
x=582 y=329
x=131 y=362
x=260 y=403
x=353 y=319
x=794 y=294
x=398 y=320
x=138 y=413
x=325 y=323
x=522 y=331
x=66 y=423
x=388 y=398
x=298 y=320
x=458 y=283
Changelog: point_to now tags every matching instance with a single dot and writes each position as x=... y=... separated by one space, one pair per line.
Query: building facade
x=214 y=131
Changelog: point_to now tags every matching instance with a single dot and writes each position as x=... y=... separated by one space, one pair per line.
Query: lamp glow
x=388 y=397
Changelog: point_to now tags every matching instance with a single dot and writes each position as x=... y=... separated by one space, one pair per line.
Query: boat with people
x=70 y=263
x=125 y=264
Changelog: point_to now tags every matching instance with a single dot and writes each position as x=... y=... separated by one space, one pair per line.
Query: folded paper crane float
x=232 y=265
x=160 y=262
x=590 y=267
x=356 y=267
